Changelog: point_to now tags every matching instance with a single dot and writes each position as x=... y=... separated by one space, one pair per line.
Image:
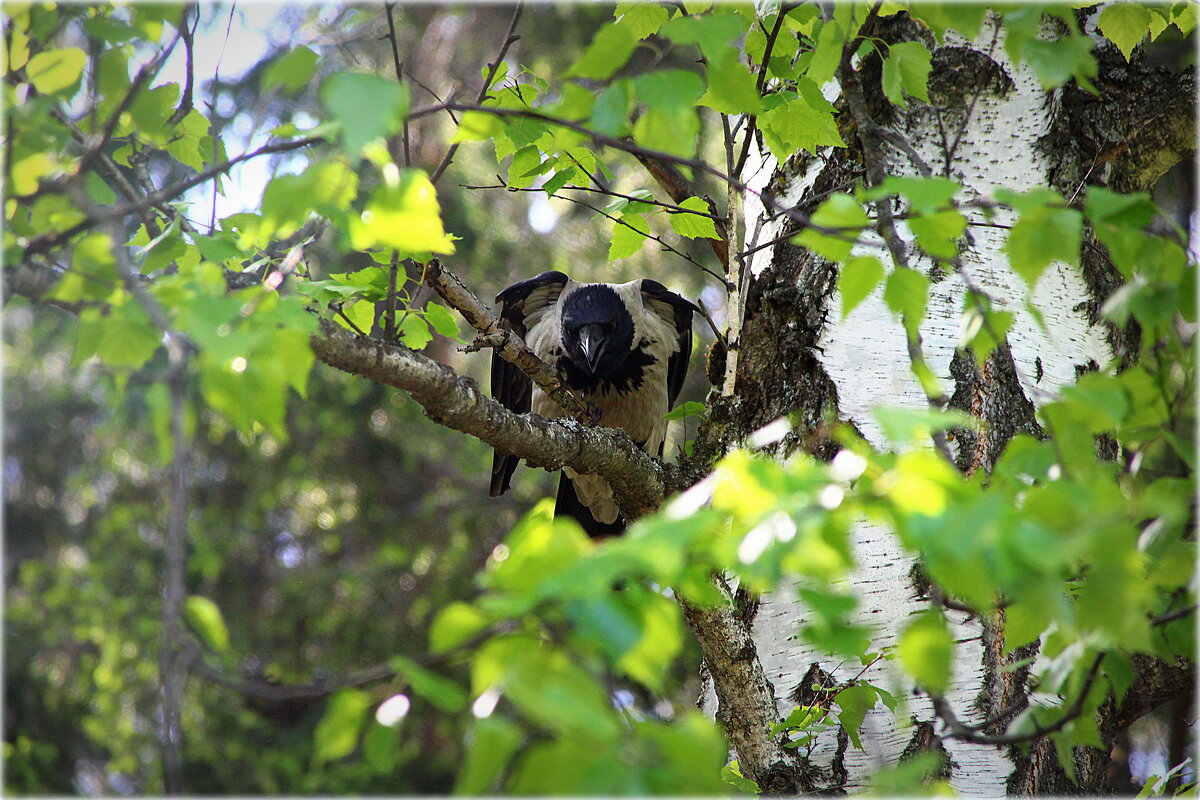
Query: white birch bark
x=866 y=357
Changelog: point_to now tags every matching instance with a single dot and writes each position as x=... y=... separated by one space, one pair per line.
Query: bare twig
x=752 y=121
x=48 y=241
x=608 y=193
x=188 y=34
x=172 y=668
x=399 y=67
x=967 y=733
x=509 y=38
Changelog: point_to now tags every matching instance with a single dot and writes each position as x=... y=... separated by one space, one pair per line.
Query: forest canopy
x=248 y=542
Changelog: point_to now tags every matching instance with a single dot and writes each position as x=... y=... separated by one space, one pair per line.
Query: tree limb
x=507 y=343
x=639 y=482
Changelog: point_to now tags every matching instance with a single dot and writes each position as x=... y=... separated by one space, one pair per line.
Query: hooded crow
x=623 y=347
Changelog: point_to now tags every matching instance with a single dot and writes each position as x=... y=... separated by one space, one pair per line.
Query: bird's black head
x=597 y=331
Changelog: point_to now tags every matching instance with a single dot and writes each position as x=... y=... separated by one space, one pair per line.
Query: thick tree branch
x=745 y=696
x=639 y=482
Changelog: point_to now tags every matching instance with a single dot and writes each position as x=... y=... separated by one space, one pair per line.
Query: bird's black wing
x=676 y=311
x=510 y=386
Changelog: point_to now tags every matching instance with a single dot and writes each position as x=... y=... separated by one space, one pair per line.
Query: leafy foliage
x=566 y=656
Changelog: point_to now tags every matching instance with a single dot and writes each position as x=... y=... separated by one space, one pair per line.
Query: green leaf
x=404 y=215
x=712 y=34
x=694 y=226
x=337 y=732
x=669 y=89
x=549 y=687
x=27 y=172
x=1125 y=24
x=691 y=408
x=858 y=278
x=292 y=72
x=907 y=294
x=610 y=114
x=1183 y=15
x=797 y=124
x=827 y=53
x=670 y=130
x=914 y=425
x=924 y=195
x=607 y=53
x=126 y=339
x=1058 y=61
x=99 y=191
x=360 y=313
x=476 y=126
x=906 y=70
x=368 y=107
x=218 y=248
x=938 y=233
x=442 y=692
x=492 y=743
x=732 y=774
x=1042 y=236
x=966 y=18
x=381 y=748
x=443 y=320
x=845 y=217
x=731 y=87
x=55 y=71
x=415 y=331
x=854 y=702
x=926 y=651
x=455 y=625
x=628 y=239
x=93 y=273
x=641 y=19
x=526 y=164
x=205 y=618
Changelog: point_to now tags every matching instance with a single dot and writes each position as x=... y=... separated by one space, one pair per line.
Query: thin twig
x=609 y=193
x=48 y=241
x=648 y=235
x=399 y=67
x=185 y=102
x=959 y=730
x=214 y=88
x=509 y=38
x=760 y=84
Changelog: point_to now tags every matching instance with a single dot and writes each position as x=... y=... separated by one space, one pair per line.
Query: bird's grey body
x=621 y=347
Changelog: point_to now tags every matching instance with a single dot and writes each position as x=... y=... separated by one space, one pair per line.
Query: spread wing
x=522 y=305
x=676 y=311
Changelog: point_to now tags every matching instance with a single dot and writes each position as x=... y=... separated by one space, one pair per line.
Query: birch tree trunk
x=990 y=125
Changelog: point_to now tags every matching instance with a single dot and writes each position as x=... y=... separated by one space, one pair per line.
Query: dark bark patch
x=816 y=688
x=786 y=309
x=992 y=393
x=1140 y=125
x=958 y=74
x=925 y=740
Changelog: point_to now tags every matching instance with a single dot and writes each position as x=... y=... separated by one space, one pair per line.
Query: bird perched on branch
x=623 y=347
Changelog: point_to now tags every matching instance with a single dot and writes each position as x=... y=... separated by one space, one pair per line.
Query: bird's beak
x=592 y=342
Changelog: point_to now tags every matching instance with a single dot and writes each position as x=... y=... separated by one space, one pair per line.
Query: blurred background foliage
x=327 y=553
